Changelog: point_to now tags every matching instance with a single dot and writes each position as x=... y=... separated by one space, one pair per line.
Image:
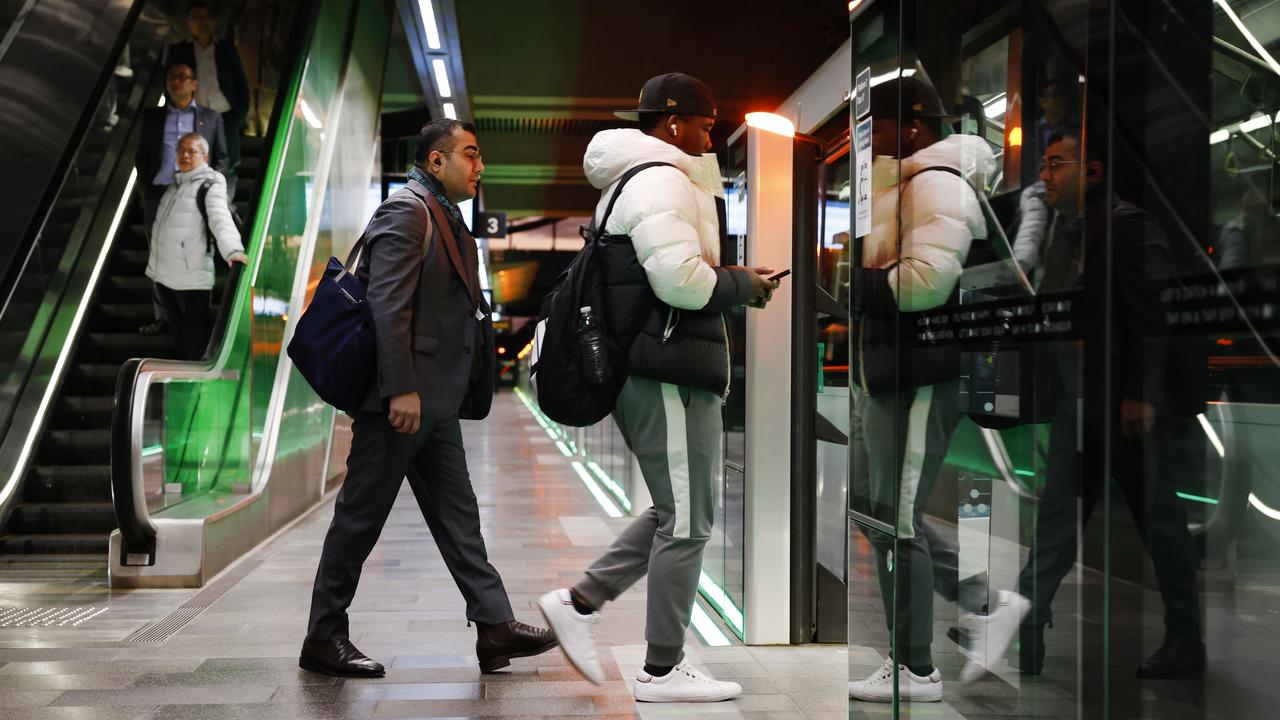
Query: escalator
x=64 y=507
x=77 y=294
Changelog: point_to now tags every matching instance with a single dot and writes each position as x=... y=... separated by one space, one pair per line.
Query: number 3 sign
x=491 y=225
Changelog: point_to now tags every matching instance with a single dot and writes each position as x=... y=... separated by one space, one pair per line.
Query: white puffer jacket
x=179 y=258
x=940 y=216
x=669 y=212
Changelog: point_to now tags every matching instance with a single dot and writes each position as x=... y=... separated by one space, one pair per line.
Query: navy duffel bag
x=334 y=345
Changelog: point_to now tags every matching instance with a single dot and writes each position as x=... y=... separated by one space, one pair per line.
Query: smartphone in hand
x=779 y=276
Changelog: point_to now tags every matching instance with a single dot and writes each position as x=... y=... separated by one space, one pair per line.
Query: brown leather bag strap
x=452 y=248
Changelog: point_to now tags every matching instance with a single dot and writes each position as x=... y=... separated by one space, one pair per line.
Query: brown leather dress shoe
x=337 y=657
x=497 y=644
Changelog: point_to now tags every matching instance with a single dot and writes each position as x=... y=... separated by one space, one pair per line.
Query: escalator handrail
x=128 y=490
x=27 y=238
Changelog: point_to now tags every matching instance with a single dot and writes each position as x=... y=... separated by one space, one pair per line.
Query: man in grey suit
x=435 y=365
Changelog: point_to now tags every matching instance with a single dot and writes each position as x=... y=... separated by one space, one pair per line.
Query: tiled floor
x=238 y=658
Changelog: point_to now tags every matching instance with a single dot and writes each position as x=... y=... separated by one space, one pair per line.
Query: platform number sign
x=862 y=182
x=491 y=224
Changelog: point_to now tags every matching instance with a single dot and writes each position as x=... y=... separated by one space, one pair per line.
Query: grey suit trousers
x=436 y=465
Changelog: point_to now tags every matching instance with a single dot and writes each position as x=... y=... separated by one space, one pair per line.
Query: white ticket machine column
x=757 y=473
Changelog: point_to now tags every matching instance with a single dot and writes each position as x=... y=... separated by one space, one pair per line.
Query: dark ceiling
x=544 y=77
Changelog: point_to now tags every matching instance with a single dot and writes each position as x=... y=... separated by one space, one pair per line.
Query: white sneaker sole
x=551 y=607
x=656 y=697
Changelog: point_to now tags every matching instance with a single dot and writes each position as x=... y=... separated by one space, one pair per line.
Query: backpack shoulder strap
x=622 y=183
x=202 y=196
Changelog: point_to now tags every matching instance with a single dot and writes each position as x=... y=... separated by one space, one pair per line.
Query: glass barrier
x=1062 y=499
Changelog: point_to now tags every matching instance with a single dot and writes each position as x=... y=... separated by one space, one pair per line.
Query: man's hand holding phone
x=764 y=280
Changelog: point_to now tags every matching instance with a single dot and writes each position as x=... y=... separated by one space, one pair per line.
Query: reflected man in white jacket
x=181 y=259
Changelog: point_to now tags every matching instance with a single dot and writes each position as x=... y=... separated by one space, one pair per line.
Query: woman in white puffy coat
x=181 y=259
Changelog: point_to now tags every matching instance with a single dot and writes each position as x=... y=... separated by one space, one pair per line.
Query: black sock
x=657 y=670
x=923 y=671
x=579 y=605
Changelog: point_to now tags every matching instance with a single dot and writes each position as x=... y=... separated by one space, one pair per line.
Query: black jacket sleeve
x=733 y=288
x=393 y=244
x=231 y=79
x=219 y=157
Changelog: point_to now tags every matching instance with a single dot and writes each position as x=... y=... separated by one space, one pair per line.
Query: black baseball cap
x=674 y=93
x=906 y=98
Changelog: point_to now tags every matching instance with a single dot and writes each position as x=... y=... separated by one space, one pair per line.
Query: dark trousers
x=189 y=317
x=1146 y=471
x=436 y=465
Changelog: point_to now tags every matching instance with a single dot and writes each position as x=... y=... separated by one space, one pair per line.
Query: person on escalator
x=156 y=158
x=181 y=259
x=924 y=218
x=223 y=87
x=678 y=375
x=1157 y=387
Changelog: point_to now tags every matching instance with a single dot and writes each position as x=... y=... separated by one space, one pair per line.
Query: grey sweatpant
x=899 y=442
x=675 y=434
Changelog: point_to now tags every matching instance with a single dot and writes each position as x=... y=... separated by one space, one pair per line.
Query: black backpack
x=202 y=196
x=556 y=368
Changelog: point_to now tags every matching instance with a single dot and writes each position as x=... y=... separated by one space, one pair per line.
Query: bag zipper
x=672 y=319
x=728 y=363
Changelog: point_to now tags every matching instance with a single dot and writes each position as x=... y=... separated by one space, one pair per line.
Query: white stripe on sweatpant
x=913 y=460
x=677 y=456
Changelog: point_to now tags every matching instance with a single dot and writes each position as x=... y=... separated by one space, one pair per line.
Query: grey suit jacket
x=433 y=327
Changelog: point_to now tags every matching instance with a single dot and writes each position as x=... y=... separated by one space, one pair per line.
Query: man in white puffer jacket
x=677 y=376
x=181 y=259
x=925 y=215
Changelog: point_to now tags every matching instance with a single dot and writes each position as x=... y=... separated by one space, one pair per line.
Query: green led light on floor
x=719 y=599
x=1025 y=473
x=609 y=508
x=707 y=629
x=609 y=483
x=1196 y=498
x=150 y=450
x=563 y=450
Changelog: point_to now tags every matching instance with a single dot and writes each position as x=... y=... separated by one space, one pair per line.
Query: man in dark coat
x=223 y=85
x=435 y=365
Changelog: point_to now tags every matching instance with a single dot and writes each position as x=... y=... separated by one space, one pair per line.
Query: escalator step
x=83 y=412
x=66 y=544
x=23 y=567
x=120 y=346
x=120 y=318
x=125 y=289
x=81 y=447
x=70 y=518
x=68 y=483
x=129 y=261
x=251 y=145
x=92 y=379
x=248 y=166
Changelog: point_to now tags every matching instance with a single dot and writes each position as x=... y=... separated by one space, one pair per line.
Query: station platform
x=77 y=649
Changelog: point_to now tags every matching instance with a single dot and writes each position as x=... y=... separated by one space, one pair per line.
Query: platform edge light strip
x=707 y=628
x=719 y=599
x=609 y=508
x=60 y=364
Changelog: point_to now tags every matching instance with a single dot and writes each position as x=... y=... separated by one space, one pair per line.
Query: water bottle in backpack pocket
x=593 y=347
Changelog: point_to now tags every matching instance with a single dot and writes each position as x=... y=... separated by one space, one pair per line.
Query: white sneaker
x=989 y=635
x=575 y=631
x=684 y=683
x=878 y=687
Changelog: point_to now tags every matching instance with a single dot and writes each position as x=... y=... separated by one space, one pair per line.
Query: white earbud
x=674 y=133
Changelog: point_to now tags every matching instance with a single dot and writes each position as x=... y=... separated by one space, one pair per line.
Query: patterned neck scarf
x=437 y=191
